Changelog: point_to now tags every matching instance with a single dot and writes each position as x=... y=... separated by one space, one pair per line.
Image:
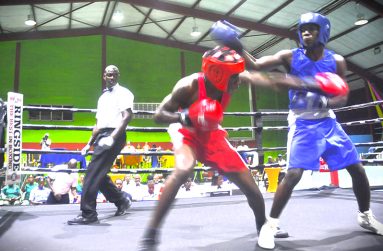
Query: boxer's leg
x=184 y=164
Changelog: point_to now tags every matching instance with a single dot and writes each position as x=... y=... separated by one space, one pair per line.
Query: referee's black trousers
x=96 y=178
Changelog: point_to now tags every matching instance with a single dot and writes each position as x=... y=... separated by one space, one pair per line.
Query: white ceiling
x=267 y=26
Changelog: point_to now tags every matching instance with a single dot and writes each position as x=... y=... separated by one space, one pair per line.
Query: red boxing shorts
x=211 y=148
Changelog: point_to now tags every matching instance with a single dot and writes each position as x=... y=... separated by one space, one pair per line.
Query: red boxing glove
x=331 y=83
x=206 y=114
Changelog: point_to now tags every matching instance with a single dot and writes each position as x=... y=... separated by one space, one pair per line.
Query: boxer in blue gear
x=313 y=129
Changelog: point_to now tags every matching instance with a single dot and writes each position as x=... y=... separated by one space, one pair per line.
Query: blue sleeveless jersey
x=303 y=67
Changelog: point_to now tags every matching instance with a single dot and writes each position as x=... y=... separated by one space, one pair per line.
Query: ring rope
x=130 y=128
x=30 y=170
x=346 y=108
x=358 y=106
x=363 y=122
x=63 y=109
x=283 y=148
x=90 y=128
x=164 y=129
x=158 y=153
x=27 y=170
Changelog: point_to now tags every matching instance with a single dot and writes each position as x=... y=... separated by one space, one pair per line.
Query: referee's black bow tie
x=108 y=89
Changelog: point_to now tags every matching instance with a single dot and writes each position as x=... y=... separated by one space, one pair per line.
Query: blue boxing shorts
x=308 y=140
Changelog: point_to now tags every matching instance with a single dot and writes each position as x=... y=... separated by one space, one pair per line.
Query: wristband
x=184 y=118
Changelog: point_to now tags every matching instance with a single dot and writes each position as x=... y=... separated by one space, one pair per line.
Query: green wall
x=269 y=99
x=68 y=71
x=7 y=67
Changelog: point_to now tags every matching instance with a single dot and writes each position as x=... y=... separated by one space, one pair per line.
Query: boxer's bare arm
x=282 y=57
x=181 y=97
x=274 y=80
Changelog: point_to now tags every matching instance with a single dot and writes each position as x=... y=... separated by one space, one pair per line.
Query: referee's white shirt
x=111 y=104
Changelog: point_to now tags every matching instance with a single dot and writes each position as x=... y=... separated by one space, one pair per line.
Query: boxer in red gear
x=194 y=118
x=210 y=146
x=206 y=114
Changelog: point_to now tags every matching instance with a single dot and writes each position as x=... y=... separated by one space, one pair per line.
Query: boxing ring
x=315 y=219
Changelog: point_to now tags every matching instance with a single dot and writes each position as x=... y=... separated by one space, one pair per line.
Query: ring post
x=14 y=137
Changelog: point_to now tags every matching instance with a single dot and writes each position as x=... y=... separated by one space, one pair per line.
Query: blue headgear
x=321 y=21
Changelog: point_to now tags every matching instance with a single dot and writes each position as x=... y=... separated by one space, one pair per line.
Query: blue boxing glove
x=308 y=101
x=227 y=34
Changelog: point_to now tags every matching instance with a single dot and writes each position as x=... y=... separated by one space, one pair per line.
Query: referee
x=114 y=112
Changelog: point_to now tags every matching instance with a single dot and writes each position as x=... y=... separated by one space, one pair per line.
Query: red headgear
x=220 y=64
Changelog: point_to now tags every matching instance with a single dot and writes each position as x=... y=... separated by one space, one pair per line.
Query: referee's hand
x=85 y=150
x=106 y=142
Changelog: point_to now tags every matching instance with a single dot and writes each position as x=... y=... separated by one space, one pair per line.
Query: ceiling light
x=361 y=20
x=118 y=16
x=195 y=32
x=30 y=21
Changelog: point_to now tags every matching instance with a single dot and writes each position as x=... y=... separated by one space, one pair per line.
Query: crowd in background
x=64 y=188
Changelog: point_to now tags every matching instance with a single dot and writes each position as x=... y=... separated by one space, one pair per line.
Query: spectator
x=372 y=149
x=127 y=160
x=270 y=160
x=154 y=158
x=243 y=147
x=221 y=182
x=158 y=178
x=253 y=158
x=28 y=185
x=128 y=148
x=45 y=142
x=138 y=189
x=127 y=183
x=146 y=147
x=188 y=190
x=79 y=186
x=40 y=193
x=61 y=183
x=119 y=185
x=126 y=180
x=146 y=158
x=281 y=161
x=11 y=195
x=158 y=182
x=150 y=194
x=323 y=166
